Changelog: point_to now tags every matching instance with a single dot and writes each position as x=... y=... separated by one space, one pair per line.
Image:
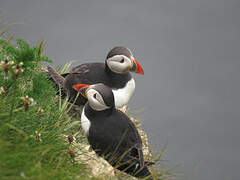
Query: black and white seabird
x=110 y=132
x=115 y=73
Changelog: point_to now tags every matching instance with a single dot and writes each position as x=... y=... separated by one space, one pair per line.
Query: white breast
x=85 y=123
x=122 y=96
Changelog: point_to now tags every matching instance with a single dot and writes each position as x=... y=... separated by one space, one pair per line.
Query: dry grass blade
x=3 y=30
x=42 y=46
x=10 y=37
x=66 y=67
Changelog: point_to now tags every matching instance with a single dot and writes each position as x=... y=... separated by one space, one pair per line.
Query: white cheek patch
x=96 y=103
x=116 y=66
x=85 y=123
x=117 y=58
x=122 y=96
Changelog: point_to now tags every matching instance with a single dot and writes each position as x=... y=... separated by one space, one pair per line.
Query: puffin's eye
x=122 y=60
x=95 y=95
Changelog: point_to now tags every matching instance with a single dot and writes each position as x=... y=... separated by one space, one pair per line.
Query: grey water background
x=190 y=51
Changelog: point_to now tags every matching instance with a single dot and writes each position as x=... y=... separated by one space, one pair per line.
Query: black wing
x=82 y=74
x=134 y=140
x=121 y=138
x=89 y=73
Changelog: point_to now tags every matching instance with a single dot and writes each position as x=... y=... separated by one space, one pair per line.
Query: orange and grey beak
x=136 y=67
x=81 y=88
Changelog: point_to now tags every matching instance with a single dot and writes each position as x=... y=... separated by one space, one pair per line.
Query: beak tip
x=139 y=69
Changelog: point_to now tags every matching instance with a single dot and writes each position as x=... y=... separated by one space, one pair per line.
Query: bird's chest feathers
x=96 y=125
x=85 y=123
x=123 y=95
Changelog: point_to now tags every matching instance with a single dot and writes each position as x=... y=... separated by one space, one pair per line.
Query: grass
x=39 y=132
x=32 y=145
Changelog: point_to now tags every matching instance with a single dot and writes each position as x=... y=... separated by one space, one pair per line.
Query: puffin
x=110 y=132
x=115 y=73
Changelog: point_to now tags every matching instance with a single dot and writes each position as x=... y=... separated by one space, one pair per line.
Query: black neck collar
x=91 y=113
x=117 y=77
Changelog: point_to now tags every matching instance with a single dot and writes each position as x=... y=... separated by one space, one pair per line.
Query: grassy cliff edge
x=39 y=132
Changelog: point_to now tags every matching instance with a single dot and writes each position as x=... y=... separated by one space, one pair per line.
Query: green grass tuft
x=32 y=145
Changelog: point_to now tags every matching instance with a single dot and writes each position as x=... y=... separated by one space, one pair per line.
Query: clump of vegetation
x=32 y=144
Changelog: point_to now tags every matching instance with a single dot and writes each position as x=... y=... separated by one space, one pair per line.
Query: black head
x=119 y=50
x=100 y=96
x=106 y=93
x=121 y=60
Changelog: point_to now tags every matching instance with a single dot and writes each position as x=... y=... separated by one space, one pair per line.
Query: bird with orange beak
x=110 y=132
x=115 y=73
